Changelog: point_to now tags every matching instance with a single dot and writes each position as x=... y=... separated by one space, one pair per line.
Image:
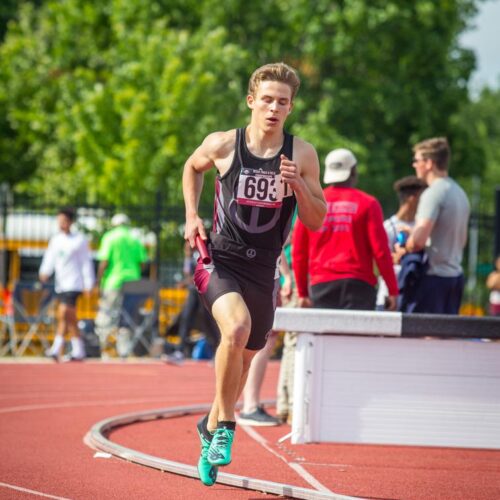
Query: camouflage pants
x=107 y=322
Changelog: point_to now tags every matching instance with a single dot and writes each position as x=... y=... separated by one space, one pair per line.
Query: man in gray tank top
x=441 y=229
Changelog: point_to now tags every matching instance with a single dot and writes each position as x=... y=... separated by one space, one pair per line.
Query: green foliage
x=479 y=120
x=106 y=100
x=112 y=113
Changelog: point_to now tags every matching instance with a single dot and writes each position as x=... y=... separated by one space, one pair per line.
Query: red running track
x=46 y=409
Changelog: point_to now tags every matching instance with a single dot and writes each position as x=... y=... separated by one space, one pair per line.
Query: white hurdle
x=391 y=378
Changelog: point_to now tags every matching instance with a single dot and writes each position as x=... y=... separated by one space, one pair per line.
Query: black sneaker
x=259 y=417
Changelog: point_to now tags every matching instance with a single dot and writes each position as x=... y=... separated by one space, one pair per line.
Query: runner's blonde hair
x=274 y=72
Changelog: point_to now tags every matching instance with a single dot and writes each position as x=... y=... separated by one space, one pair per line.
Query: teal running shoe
x=219 y=452
x=206 y=471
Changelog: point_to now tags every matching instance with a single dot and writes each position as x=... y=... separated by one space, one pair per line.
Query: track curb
x=96 y=438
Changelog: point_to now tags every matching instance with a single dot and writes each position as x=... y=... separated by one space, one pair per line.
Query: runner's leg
x=233 y=319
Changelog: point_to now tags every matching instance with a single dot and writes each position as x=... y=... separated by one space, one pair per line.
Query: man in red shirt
x=333 y=266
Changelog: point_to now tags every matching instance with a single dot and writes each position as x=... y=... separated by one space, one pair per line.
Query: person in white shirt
x=68 y=257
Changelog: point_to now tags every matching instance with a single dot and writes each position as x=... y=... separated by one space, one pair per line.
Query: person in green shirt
x=121 y=259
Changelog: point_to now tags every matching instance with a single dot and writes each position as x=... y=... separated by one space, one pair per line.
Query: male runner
x=263 y=172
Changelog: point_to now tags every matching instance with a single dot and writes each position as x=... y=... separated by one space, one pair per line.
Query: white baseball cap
x=119 y=219
x=338 y=165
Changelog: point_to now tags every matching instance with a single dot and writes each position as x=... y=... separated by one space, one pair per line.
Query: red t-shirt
x=351 y=238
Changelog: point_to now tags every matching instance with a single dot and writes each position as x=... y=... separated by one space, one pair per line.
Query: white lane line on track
x=309 y=478
x=75 y=404
x=32 y=492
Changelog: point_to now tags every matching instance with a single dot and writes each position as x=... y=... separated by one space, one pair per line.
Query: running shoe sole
x=256 y=423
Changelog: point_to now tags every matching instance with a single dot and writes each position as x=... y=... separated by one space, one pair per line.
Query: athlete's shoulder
x=302 y=145
x=303 y=150
x=219 y=144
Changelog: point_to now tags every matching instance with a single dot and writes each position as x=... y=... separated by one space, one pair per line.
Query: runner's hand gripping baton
x=202 y=248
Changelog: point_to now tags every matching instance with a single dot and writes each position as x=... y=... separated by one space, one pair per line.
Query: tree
x=114 y=112
x=110 y=114
x=479 y=120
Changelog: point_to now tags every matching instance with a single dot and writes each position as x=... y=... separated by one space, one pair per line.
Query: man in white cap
x=121 y=256
x=333 y=266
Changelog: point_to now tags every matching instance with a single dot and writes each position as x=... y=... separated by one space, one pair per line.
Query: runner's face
x=271 y=104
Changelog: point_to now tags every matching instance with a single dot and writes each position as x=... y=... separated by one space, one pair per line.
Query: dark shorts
x=344 y=294
x=68 y=298
x=251 y=274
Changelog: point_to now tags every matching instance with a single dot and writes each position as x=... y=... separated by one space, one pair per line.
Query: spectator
x=190 y=310
x=338 y=258
x=288 y=293
x=493 y=283
x=68 y=257
x=253 y=413
x=408 y=190
x=441 y=228
x=121 y=258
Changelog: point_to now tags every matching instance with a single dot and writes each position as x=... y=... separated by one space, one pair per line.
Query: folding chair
x=139 y=312
x=33 y=314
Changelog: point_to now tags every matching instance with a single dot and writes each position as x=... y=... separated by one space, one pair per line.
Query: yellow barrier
x=171 y=301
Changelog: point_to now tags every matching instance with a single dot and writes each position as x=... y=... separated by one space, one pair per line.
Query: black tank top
x=253 y=206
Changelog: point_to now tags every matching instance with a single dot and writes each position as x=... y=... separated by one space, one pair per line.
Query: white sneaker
x=49 y=353
x=174 y=358
x=69 y=357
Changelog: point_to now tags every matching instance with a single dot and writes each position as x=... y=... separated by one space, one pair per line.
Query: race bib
x=261 y=188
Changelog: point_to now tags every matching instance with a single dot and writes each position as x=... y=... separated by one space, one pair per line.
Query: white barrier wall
x=361 y=388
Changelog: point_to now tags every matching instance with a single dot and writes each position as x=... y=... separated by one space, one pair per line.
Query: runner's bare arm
x=214 y=148
x=302 y=174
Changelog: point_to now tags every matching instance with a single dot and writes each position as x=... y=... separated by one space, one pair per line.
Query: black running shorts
x=246 y=271
x=68 y=298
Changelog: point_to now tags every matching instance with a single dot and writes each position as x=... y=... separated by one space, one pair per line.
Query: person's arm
x=302 y=175
x=427 y=213
x=300 y=261
x=419 y=235
x=87 y=266
x=47 y=266
x=286 y=273
x=103 y=256
x=493 y=280
x=214 y=147
x=381 y=252
x=101 y=269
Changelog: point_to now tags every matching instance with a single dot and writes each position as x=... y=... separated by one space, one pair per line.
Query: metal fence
x=26 y=225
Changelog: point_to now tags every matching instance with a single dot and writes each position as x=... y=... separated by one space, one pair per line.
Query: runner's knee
x=237 y=336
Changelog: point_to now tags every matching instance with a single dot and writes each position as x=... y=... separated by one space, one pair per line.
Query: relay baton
x=202 y=248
